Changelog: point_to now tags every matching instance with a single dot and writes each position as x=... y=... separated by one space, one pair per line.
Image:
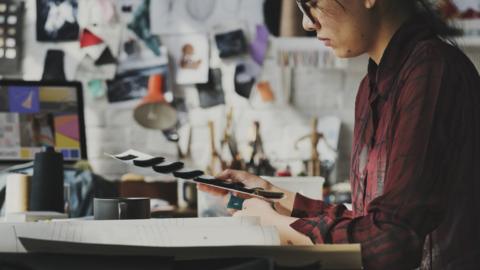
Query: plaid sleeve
x=387 y=241
x=325 y=223
x=384 y=245
x=304 y=207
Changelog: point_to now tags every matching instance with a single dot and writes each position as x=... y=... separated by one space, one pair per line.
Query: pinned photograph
x=100 y=40
x=211 y=94
x=190 y=54
x=57 y=20
x=132 y=85
x=135 y=54
x=188 y=60
x=231 y=43
x=246 y=73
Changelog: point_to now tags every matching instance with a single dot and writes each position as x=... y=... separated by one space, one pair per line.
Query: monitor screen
x=34 y=115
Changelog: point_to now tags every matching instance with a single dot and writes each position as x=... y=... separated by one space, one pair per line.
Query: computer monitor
x=34 y=115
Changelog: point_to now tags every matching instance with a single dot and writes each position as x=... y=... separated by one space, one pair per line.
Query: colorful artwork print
x=133 y=84
x=67 y=131
x=23 y=99
x=33 y=117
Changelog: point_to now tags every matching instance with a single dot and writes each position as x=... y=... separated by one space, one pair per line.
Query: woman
x=416 y=153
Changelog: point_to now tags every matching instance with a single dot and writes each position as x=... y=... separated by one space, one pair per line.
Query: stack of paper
x=183 y=239
x=153 y=233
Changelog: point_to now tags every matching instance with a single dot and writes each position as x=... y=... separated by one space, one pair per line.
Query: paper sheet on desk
x=9 y=238
x=203 y=222
x=154 y=232
x=160 y=236
x=9 y=233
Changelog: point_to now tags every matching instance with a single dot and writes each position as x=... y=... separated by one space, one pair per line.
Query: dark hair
x=426 y=9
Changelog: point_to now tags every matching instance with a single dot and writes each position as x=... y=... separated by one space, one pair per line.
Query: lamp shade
x=154 y=112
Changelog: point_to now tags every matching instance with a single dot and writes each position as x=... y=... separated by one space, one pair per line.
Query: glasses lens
x=303 y=6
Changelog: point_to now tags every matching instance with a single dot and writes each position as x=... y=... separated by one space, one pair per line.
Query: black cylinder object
x=53 y=67
x=46 y=193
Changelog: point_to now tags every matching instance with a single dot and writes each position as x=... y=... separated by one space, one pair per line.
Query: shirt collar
x=397 y=51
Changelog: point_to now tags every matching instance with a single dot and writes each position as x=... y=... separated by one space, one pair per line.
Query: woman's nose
x=308 y=25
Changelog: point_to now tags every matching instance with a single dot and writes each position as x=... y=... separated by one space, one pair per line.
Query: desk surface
x=81 y=262
x=94 y=262
x=39 y=261
x=330 y=256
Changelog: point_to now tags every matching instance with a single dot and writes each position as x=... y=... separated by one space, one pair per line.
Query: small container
x=47 y=189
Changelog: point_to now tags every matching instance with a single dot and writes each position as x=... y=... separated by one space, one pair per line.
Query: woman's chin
x=345 y=53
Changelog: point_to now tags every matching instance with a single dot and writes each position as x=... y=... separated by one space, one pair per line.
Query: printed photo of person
x=188 y=60
x=190 y=53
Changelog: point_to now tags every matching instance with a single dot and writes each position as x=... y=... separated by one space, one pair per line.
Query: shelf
x=471 y=30
x=468 y=42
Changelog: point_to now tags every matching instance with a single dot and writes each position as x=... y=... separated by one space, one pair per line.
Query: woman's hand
x=258 y=208
x=283 y=206
x=269 y=217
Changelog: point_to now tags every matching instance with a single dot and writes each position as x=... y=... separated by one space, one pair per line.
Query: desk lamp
x=154 y=112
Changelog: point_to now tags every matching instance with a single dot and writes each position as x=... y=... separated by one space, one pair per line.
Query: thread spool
x=16 y=199
x=46 y=192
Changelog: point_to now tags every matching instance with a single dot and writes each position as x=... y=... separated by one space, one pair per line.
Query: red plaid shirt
x=415 y=171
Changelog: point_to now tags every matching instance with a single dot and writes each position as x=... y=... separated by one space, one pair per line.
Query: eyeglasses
x=304 y=6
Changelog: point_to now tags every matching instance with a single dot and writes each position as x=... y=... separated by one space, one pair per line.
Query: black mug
x=121 y=208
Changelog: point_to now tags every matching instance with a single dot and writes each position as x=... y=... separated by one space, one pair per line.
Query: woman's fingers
x=242 y=195
x=246 y=178
x=236 y=176
x=229 y=175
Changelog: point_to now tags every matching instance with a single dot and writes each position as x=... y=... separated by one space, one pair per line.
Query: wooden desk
x=335 y=257
x=39 y=261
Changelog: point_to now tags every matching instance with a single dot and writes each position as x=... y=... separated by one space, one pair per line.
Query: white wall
x=112 y=128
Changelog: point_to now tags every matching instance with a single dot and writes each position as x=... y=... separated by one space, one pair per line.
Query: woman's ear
x=370 y=3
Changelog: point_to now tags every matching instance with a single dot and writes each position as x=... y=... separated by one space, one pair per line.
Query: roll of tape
x=17 y=193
